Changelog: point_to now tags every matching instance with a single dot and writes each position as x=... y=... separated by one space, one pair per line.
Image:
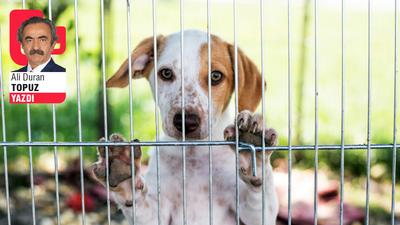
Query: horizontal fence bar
x=194 y=143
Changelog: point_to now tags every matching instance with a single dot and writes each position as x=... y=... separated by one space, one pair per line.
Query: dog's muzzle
x=192 y=122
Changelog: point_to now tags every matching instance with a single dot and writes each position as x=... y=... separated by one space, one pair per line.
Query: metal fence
x=210 y=143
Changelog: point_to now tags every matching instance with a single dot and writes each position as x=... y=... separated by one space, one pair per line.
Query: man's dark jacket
x=50 y=67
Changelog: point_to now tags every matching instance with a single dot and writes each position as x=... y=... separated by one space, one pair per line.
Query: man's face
x=36 y=43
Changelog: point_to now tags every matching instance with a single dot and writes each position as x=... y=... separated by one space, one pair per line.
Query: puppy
x=196 y=129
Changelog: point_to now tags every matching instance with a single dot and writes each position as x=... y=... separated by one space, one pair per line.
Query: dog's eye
x=216 y=77
x=166 y=74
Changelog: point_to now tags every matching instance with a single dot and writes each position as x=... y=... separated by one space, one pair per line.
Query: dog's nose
x=192 y=122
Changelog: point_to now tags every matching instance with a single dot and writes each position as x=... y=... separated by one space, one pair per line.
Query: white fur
x=197 y=160
x=170 y=94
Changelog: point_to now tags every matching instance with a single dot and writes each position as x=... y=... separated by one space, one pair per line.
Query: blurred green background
x=249 y=40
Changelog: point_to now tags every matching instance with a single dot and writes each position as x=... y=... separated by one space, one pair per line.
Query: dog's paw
x=119 y=166
x=250 y=129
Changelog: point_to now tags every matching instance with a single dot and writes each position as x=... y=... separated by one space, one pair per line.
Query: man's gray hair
x=36 y=19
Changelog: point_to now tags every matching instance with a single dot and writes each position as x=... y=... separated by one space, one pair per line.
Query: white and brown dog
x=196 y=127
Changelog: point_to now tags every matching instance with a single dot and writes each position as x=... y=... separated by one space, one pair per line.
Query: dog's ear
x=250 y=81
x=142 y=63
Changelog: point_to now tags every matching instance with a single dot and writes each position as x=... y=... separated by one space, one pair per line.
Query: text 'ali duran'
x=27 y=77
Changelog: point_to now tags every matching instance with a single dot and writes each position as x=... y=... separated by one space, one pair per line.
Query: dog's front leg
x=250 y=131
x=120 y=181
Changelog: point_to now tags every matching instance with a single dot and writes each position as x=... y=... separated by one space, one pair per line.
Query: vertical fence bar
x=263 y=108
x=128 y=19
x=290 y=115
x=31 y=164
x=395 y=114
x=156 y=109
x=183 y=120
x=369 y=115
x=28 y=115
x=342 y=131
x=105 y=107
x=49 y=5
x=236 y=111
x=209 y=110
x=316 y=117
x=79 y=109
x=4 y=135
x=55 y=148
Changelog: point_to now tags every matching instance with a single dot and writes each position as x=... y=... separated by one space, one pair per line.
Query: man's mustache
x=33 y=51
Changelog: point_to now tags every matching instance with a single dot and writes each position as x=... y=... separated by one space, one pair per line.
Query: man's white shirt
x=38 y=68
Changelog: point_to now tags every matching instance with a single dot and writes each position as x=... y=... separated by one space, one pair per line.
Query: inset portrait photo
x=38 y=37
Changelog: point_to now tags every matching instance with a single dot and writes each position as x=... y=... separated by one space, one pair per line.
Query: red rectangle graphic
x=37 y=97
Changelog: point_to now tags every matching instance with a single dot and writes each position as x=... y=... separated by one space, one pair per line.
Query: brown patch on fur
x=221 y=202
x=250 y=81
x=144 y=51
x=220 y=61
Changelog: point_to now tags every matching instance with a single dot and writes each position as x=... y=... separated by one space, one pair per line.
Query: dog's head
x=195 y=72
